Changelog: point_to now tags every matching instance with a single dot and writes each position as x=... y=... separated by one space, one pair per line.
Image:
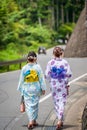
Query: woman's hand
x=43 y=92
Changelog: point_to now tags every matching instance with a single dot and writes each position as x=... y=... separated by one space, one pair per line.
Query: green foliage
x=64 y=32
x=27 y=24
x=14 y=51
x=40 y=34
x=65 y=29
x=10 y=53
x=36 y=45
x=24 y=21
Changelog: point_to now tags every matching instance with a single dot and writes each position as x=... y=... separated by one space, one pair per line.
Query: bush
x=40 y=34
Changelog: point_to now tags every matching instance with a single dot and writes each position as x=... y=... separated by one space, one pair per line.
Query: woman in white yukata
x=32 y=85
x=58 y=73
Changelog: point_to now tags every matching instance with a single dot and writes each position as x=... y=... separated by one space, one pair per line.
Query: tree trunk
x=39 y=20
x=57 y=10
x=77 y=44
x=62 y=12
x=53 y=17
x=67 y=16
x=73 y=16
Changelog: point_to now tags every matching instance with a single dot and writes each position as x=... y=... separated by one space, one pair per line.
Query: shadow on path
x=50 y=127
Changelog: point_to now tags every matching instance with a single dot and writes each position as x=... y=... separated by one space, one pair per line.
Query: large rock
x=77 y=44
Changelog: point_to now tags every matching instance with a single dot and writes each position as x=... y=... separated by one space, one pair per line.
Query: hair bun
x=32 y=56
x=57 y=51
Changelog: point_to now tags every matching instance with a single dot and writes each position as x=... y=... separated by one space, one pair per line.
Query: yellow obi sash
x=31 y=76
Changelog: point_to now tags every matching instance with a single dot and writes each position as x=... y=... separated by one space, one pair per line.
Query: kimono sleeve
x=68 y=72
x=21 y=81
x=41 y=78
x=47 y=72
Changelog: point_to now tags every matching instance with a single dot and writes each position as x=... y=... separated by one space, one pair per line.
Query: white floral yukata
x=58 y=73
x=31 y=83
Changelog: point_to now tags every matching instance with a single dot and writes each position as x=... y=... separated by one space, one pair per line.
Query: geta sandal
x=35 y=124
x=59 y=126
x=30 y=126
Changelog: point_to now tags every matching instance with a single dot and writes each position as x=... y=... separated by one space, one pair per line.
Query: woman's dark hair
x=57 y=51
x=32 y=56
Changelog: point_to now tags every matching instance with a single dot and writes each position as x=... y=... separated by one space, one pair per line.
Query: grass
x=17 y=52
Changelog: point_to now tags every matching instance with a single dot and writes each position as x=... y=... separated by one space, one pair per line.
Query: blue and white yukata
x=58 y=73
x=31 y=83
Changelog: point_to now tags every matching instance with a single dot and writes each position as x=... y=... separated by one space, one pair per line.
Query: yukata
x=31 y=83
x=58 y=73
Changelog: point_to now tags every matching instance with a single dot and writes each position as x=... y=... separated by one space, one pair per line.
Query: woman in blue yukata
x=58 y=73
x=32 y=85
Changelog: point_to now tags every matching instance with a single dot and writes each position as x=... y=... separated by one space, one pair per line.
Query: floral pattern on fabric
x=58 y=73
x=31 y=83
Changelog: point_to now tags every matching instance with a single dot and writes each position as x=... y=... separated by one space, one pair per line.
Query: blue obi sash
x=58 y=73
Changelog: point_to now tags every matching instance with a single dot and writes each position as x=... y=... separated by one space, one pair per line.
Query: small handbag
x=67 y=88
x=22 y=105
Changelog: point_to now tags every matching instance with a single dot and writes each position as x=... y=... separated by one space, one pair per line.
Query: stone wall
x=77 y=44
x=84 y=119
